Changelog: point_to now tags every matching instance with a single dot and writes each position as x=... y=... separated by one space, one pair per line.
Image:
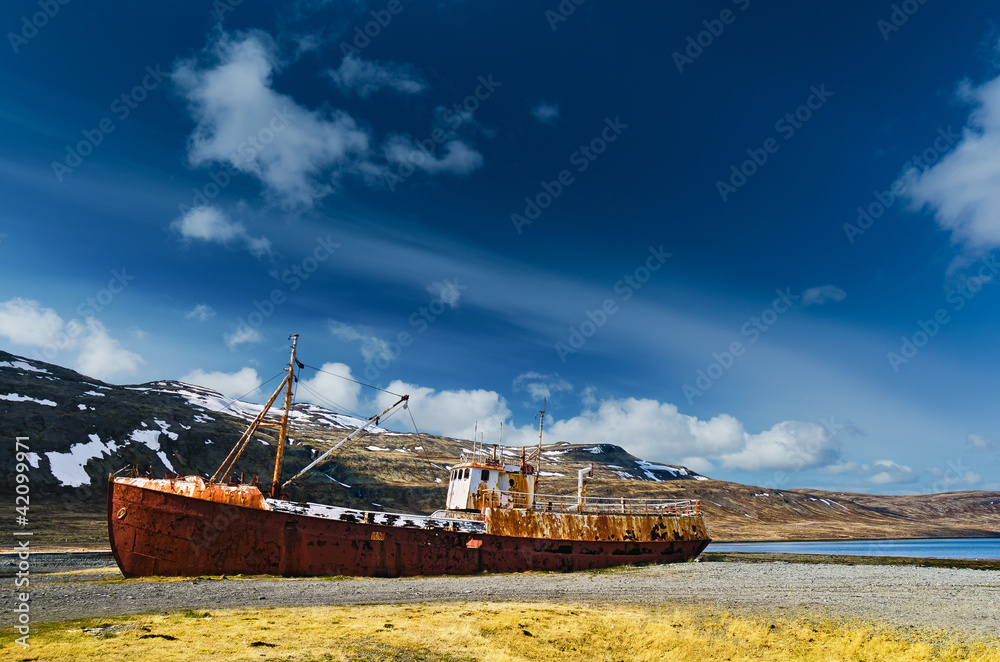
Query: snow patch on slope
x=14 y=397
x=69 y=468
x=23 y=365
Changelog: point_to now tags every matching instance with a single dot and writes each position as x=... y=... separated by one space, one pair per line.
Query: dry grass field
x=509 y=632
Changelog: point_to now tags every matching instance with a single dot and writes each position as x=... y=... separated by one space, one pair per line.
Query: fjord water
x=935 y=548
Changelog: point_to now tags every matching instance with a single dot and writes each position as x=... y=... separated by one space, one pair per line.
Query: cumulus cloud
x=102 y=356
x=981 y=443
x=372 y=347
x=650 y=429
x=242 y=121
x=955 y=475
x=546 y=113
x=540 y=386
x=242 y=334
x=790 y=445
x=816 y=296
x=26 y=322
x=202 y=312
x=244 y=382
x=454 y=157
x=211 y=224
x=887 y=472
x=879 y=472
x=646 y=428
x=963 y=188
x=365 y=77
x=451 y=413
x=327 y=389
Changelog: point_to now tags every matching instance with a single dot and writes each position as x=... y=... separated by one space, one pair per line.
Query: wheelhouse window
x=486 y=475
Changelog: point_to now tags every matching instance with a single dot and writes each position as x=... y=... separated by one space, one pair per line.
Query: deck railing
x=594 y=505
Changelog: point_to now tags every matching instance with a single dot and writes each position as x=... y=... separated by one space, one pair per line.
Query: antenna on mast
x=541 y=421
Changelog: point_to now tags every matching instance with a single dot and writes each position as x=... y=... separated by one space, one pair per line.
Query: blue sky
x=757 y=241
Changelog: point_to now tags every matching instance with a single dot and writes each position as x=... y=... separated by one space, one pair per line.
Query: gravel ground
x=961 y=600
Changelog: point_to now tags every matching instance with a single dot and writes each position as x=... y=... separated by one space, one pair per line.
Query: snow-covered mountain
x=81 y=429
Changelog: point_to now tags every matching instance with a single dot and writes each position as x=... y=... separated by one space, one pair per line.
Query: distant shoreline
x=98 y=548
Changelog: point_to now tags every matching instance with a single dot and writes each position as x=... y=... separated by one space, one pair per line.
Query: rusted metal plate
x=166 y=531
x=593 y=527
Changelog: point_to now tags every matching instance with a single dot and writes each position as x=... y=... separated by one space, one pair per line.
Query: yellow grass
x=495 y=632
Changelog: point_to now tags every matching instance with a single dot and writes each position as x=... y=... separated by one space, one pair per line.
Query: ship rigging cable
x=398 y=395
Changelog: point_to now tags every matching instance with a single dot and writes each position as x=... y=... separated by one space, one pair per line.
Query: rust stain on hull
x=172 y=528
x=594 y=527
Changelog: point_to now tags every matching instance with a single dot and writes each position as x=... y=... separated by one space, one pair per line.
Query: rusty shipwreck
x=493 y=521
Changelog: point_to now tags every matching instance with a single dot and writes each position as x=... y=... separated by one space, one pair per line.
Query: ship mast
x=283 y=432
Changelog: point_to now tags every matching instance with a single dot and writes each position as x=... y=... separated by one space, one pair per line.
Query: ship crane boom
x=374 y=419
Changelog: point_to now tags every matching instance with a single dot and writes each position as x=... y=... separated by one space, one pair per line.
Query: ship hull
x=157 y=532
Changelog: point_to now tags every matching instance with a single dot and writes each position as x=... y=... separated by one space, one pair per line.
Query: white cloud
x=25 y=322
x=649 y=429
x=208 y=224
x=201 y=312
x=879 y=472
x=540 y=386
x=242 y=334
x=955 y=476
x=455 y=157
x=887 y=472
x=372 y=347
x=451 y=413
x=211 y=224
x=546 y=113
x=98 y=355
x=981 y=443
x=233 y=384
x=789 y=445
x=646 y=428
x=241 y=120
x=820 y=295
x=365 y=77
x=963 y=188
x=325 y=389
x=102 y=356
x=448 y=292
